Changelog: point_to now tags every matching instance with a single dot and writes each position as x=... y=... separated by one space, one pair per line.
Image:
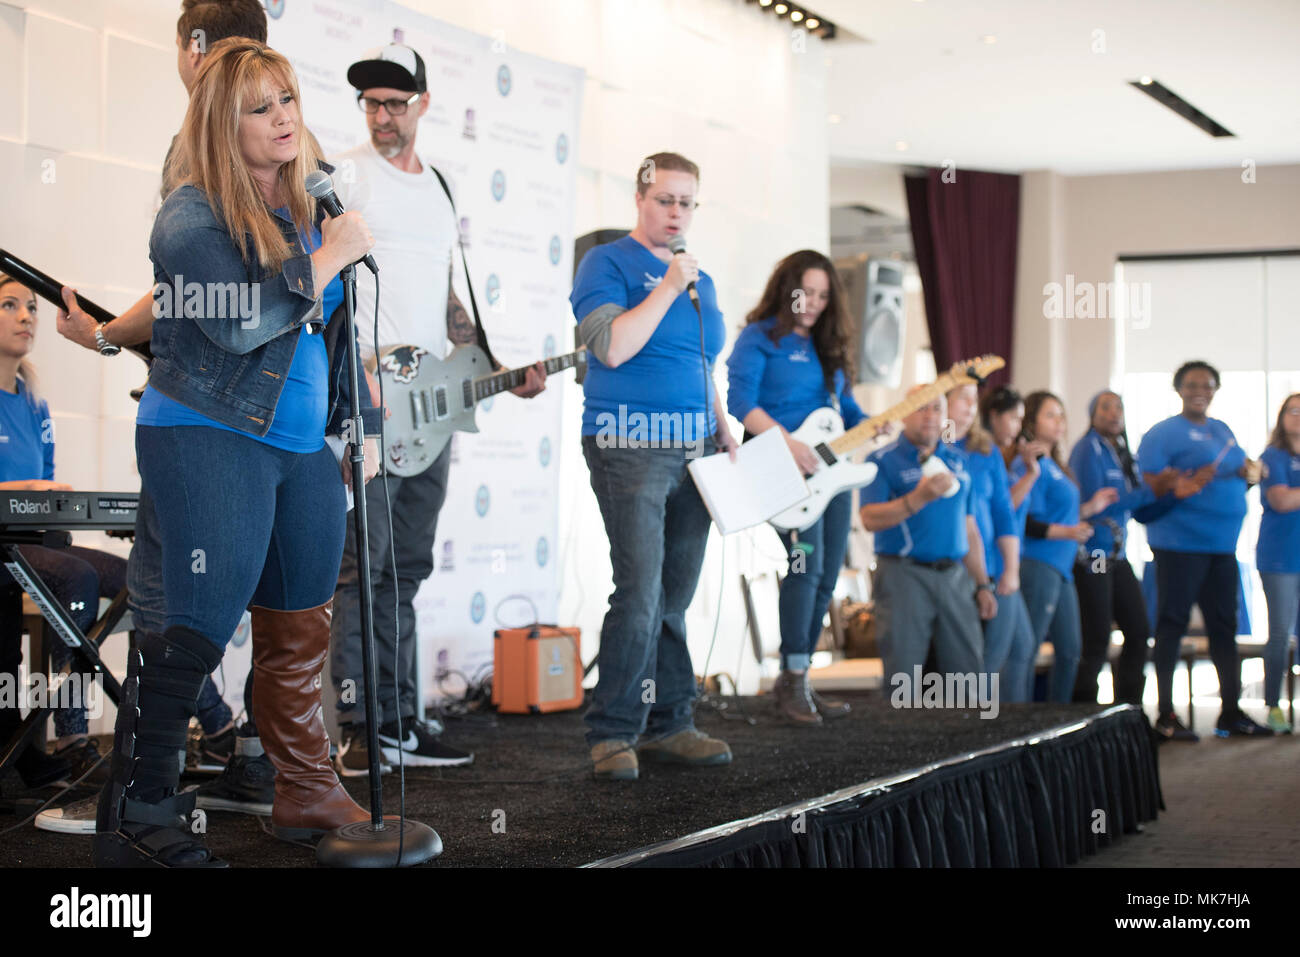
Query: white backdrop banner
x=502 y=127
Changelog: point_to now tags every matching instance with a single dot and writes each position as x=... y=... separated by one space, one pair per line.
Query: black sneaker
x=246 y=784
x=1236 y=723
x=419 y=746
x=353 y=758
x=1169 y=728
x=39 y=769
x=83 y=757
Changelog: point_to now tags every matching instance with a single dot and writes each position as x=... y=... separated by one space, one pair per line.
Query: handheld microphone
x=677 y=245
x=321 y=187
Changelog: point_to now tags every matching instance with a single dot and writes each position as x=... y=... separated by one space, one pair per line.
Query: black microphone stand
x=373 y=843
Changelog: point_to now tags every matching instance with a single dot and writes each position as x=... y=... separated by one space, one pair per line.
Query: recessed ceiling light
x=833 y=118
x=900 y=145
x=796 y=15
x=990 y=39
x=764 y=3
x=813 y=23
x=1145 y=80
x=781 y=9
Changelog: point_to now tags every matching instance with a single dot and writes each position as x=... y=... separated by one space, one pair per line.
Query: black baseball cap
x=393 y=66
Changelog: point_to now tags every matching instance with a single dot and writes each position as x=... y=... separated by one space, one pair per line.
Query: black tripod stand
x=373 y=843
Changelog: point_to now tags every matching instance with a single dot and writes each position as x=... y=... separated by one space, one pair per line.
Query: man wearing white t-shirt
x=411 y=218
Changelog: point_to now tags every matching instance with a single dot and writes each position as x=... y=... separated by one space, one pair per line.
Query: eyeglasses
x=394 y=107
x=667 y=202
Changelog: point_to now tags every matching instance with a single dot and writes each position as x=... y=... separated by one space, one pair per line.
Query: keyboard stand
x=85 y=647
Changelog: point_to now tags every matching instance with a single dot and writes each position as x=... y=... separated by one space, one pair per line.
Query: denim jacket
x=227 y=366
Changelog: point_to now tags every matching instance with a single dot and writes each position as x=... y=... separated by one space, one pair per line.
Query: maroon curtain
x=965 y=235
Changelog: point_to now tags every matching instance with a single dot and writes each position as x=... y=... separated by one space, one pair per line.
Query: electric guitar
x=823 y=431
x=430 y=398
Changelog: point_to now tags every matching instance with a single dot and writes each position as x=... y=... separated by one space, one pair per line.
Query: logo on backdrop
x=493 y=289
x=275 y=9
x=503 y=80
x=561 y=148
x=555 y=250
x=543 y=552
x=548 y=347
x=448 y=563
x=477 y=607
x=469 y=132
x=498 y=185
x=481 y=500
x=544 y=451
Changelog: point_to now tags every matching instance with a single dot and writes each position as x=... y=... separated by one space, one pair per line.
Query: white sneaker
x=75 y=818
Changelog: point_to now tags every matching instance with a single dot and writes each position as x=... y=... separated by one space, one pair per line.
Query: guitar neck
x=867 y=430
x=489 y=385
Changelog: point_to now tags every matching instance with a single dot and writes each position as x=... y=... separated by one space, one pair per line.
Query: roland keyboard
x=68 y=511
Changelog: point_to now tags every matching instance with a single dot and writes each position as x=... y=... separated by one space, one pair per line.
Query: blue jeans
x=240 y=523
x=78 y=577
x=1210 y=581
x=148 y=606
x=816 y=554
x=1010 y=649
x=1282 y=592
x=1053 y=606
x=657 y=528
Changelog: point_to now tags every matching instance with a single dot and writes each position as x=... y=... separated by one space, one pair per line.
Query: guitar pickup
x=440 y=402
x=827 y=455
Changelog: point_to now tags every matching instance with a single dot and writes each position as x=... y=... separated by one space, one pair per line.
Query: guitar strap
x=469 y=283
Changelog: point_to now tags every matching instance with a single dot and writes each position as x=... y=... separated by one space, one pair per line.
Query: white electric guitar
x=430 y=398
x=823 y=431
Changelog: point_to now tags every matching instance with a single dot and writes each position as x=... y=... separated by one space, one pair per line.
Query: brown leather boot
x=791 y=698
x=289 y=649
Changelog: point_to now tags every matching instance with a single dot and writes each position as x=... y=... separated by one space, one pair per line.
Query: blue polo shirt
x=1210 y=521
x=991 y=503
x=1054 y=499
x=300 y=413
x=26 y=437
x=1278 y=549
x=664 y=379
x=938 y=530
x=785 y=379
x=1096 y=466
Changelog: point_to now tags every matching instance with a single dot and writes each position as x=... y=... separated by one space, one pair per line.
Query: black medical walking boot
x=142 y=821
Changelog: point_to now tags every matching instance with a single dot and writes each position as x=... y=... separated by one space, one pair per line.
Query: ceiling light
x=900 y=145
x=833 y=118
x=813 y=23
x=796 y=15
x=781 y=9
x=1145 y=80
x=990 y=39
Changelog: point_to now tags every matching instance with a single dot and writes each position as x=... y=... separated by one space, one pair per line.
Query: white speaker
x=874 y=288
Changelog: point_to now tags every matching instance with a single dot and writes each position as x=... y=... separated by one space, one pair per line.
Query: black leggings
x=1111 y=594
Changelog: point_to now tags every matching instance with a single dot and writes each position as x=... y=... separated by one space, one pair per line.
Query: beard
x=389 y=148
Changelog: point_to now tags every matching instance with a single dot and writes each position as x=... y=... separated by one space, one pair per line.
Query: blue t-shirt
x=1278 y=549
x=1054 y=499
x=785 y=379
x=661 y=388
x=937 y=530
x=26 y=437
x=1210 y=521
x=1096 y=466
x=991 y=503
x=301 y=413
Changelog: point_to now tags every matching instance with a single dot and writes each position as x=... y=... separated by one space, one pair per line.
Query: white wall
x=97 y=94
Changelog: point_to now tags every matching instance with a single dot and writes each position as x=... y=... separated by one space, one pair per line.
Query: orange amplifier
x=537 y=669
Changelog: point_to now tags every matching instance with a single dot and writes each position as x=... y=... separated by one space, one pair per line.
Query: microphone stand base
x=363 y=845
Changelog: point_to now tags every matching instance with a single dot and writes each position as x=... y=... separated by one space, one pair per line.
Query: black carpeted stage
x=880 y=788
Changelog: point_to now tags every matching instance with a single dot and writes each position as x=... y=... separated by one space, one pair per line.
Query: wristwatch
x=987 y=586
x=106 y=348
